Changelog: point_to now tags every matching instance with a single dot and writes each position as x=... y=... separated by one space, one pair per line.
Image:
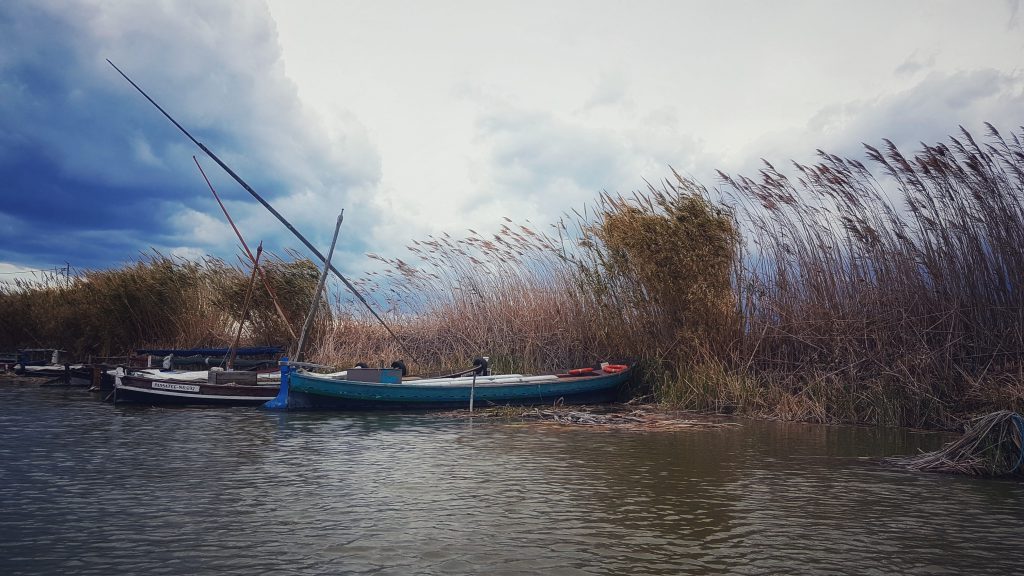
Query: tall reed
x=155 y=301
x=885 y=291
x=863 y=309
x=644 y=278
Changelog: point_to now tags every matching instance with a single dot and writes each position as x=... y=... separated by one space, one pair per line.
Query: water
x=87 y=488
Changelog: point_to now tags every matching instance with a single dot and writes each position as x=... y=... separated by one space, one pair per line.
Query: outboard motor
x=398 y=364
x=481 y=366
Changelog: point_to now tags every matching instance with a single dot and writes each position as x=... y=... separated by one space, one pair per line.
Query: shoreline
x=629 y=416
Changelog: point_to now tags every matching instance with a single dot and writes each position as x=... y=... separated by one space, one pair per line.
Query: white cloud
x=530 y=109
x=200 y=227
x=423 y=117
x=12 y=273
x=552 y=164
x=928 y=112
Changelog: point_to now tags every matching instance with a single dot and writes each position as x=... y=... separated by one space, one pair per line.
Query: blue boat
x=386 y=389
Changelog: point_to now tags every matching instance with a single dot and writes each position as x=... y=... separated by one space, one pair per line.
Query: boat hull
x=94 y=377
x=153 y=392
x=306 y=391
x=57 y=373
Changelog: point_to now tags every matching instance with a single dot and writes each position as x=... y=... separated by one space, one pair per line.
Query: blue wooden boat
x=386 y=389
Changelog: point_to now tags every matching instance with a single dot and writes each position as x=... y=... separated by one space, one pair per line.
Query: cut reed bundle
x=993 y=445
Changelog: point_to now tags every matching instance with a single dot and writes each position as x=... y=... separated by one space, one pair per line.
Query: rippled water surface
x=87 y=488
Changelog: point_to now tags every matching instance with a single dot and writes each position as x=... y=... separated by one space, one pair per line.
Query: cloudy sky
x=420 y=117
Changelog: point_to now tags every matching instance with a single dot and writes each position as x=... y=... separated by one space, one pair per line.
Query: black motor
x=401 y=366
x=481 y=366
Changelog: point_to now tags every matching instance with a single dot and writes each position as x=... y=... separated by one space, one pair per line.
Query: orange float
x=581 y=371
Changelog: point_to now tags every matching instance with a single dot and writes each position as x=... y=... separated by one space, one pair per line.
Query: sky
x=424 y=117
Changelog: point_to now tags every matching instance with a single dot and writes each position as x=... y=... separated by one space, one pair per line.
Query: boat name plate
x=176 y=387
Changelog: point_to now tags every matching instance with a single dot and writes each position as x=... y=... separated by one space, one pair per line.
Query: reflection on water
x=88 y=488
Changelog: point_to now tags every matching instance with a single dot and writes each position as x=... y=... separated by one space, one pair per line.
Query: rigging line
x=269 y=208
x=263 y=276
x=54 y=270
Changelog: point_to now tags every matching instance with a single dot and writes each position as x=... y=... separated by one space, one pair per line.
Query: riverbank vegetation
x=880 y=291
x=157 y=300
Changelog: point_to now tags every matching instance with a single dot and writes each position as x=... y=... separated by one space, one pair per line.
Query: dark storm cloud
x=91 y=173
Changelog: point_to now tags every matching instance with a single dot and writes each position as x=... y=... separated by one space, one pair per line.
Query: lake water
x=88 y=488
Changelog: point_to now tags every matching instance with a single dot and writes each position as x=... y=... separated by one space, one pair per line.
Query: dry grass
x=886 y=295
x=899 y=316
x=886 y=292
x=156 y=301
x=993 y=445
x=645 y=278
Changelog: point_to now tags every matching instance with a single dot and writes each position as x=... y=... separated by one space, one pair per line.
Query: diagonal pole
x=263 y=275
x=245 y=307
x=319 y=289
x=269 y=208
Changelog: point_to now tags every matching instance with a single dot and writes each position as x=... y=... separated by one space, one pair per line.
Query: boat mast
x=270 y=208
x=245 y=246
x=319 y=289
x=245 y=308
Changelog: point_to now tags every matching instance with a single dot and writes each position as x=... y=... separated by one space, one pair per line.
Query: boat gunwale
x=194 y=395
x=463 y=382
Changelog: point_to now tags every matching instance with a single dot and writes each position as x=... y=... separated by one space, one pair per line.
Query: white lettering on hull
x=176 y=387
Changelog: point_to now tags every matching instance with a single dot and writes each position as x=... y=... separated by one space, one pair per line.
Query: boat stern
x=280 y=402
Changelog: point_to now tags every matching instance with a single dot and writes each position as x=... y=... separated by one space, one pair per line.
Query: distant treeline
x=881 y=292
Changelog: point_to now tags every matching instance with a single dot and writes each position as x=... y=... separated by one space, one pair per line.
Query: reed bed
x=156 y=301
x=625 y=281
x=885 y=292
x=879 y=291
x=892 y=295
